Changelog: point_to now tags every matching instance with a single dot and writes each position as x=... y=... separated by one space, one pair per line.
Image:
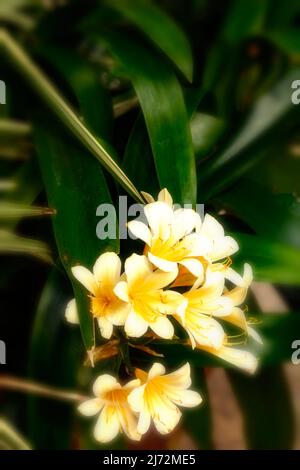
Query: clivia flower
x=159 y=395
x=105 y=306
x=202 y=304
x=170 y=238
x=180 y=251
x=148 y=303
x=111 y=403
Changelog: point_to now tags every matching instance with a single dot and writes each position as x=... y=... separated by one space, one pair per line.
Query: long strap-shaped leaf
x=162 y=102
x=160 y=29
x=47 y=91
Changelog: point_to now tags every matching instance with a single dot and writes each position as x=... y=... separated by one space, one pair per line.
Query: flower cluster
x=130 y=408
x=180 y=277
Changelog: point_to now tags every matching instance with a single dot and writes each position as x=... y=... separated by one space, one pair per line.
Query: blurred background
x=217 y=79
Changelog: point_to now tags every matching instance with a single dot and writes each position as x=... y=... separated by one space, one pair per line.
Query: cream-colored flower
x=206 y=332
x=106 y=307
x=171 y=237
x=149 y=303
x=159 y=396
x=202 y=304
x=220 y=246
x=115 y=413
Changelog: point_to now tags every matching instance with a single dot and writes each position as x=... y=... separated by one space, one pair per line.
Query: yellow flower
x=202 y=304
x=171 y=237
x=106 y=307
x=159 y=396
x=219 y=248
x=149 y=303
x=219 y=245
x=115 y=413
x=204 y=331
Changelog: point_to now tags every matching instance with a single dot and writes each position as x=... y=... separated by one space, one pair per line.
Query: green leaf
x=245 y=19
x=247 y=147
x=54 y=359
x=12 y=129
x=160 y=29
x=93 y=99
x=223 y=66
x=162 y=103
x=74 y=186
x=12 y=210
x=283 y=223
x=43 y=87
x=288 y=40
x=10 y=439
x=206 y=131
x=271 y=261
x=266 y=407
x=12 y=244
x=138 y=160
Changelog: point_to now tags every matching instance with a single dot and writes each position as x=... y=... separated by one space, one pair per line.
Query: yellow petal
x=128 y=422
x=140 y=230
x=196 y=245
x=90 y=407
x=121 y=291
x=205 y=330
x=159 y=279
x=166 y=418
x=71 y=313
x=119 y=313
x=105 y=326
x=144 y=421
x=162 y=327
x=108 y=425
x=137 y=269
x=212 y=228
x=135 y=325
x=156 y=370
x=233 y=277
x=180 y=378
x=136 y=398
x=107 y=269
x=163 y=264
x=187 y=398
x=224 y=248
x=104 y=383
x=194 y=266
x=160 y=217
x=242 y=359
x=185 y=220
x=132 y=384
x=85 y=277
x=165 y=196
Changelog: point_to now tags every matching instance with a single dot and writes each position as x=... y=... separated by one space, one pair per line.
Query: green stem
x=51 y=96
x=26 y=386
